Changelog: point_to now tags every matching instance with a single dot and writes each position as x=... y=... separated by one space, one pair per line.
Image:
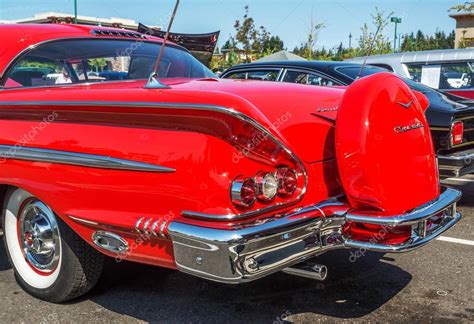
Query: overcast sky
x=287 y=18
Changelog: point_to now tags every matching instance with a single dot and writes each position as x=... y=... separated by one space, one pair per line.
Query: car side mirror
x=424 y=102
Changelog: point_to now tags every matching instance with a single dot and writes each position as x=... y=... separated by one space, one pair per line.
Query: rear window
x=415 y=70
x=456 y=76
x=353 y=72
x=261 y=75
x=82 y=61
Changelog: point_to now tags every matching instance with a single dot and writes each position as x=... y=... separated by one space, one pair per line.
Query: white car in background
x=446 y=70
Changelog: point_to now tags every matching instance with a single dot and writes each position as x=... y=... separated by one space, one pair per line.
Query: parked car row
x=451 y=118
x=226 y=180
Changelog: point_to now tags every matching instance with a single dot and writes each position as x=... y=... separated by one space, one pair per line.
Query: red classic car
x=226 y=180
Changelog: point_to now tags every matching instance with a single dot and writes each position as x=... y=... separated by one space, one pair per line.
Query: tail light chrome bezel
x=282 y=174
x=261 y=180
x=236 y=191
x=257 y=183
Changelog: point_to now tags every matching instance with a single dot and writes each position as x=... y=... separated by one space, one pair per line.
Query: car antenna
x=370 y=50
x=154 y=79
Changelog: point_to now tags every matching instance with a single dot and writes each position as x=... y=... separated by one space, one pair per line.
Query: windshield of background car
x=78 y=61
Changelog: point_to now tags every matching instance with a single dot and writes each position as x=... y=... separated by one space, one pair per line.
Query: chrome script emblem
x=405 y=105
x=404 y=129
x=327 y=109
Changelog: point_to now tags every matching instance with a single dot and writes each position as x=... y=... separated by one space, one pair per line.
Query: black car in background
x=451 y=118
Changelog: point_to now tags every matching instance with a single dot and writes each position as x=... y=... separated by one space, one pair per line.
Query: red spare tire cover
x=384 y=148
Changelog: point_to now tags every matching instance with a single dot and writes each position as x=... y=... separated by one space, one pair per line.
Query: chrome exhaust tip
x=110 y=242
x=308 y=270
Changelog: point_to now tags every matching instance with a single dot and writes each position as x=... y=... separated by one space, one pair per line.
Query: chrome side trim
x=83 y=221
x=16 y=152
x=205 y=107
x=151 y=227
x=154 y=227
x=138 y=224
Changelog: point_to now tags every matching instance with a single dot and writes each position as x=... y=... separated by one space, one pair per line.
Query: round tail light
x=267 y=186
x=287 y=181
x=243 y=192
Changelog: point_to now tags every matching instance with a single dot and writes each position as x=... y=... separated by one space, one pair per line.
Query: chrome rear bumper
x=456 y=164
x=422 y=233
x=266 y=246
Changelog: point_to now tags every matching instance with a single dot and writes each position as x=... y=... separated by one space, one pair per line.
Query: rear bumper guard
x=266 y=246
x=444 y=207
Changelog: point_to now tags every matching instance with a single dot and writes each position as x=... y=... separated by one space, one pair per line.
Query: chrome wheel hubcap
x=39 y=236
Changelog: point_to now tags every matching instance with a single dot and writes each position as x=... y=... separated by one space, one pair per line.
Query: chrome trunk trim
x=16 y=152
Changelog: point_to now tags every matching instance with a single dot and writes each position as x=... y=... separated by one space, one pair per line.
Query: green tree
x=312 y=37
x=274 y=44
x=246 y=33
x=375 y=42
x=256 y=42
x=423 y=42
x=98 y=63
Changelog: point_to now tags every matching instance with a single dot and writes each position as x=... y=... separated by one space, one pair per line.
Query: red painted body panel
x=205 y=146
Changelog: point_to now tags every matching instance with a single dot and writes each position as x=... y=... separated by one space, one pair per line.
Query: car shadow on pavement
x=466 y=185
x=355 y=287
x=468 y=193
x=4 y=264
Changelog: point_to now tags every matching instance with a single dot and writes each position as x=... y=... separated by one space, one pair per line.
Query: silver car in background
x=446 y=70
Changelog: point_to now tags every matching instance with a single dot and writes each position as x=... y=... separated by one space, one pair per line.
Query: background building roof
x=281 y=56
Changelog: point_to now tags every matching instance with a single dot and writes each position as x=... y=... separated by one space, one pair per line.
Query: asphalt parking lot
x=435 y=283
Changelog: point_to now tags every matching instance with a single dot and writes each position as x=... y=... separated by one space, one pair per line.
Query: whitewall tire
x=50 y=261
